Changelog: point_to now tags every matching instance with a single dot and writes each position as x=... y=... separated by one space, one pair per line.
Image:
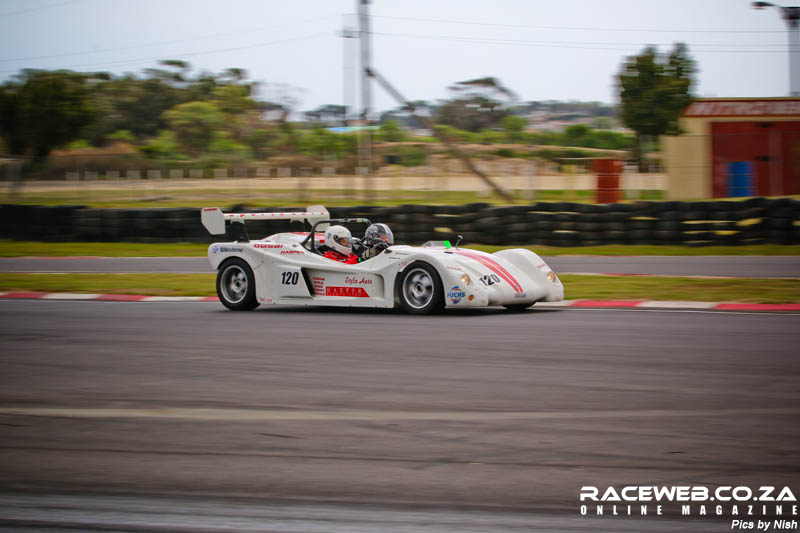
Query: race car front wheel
x=518 y=307
x=420 y=289
x=236 y=285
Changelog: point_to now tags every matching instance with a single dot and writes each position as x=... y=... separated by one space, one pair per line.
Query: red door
x=773 y=149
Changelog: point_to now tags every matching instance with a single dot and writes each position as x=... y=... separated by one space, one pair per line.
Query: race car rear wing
x=214 y=219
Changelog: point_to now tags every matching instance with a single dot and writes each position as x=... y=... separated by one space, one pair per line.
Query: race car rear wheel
x=420 y=289
x=236 y=285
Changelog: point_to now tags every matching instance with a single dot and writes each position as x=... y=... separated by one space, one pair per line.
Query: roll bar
x=310 y=238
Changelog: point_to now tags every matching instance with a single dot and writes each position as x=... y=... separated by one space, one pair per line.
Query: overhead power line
x=564 y=44
x=126 y=62
x=162 y=43
x=538 y=27
x=38 y=8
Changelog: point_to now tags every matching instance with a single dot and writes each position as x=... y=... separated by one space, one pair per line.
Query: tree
x=194 y=124
x=480 y=104
x=654 y=91
x=44 y=110
x=234 y=99
x=472 y=113
x=514 y=127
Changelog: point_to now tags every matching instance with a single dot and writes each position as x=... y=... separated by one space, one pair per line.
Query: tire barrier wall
x=753 y=221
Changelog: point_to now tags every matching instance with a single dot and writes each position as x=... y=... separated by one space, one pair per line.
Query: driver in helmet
x=377 y=238
x=337 y=239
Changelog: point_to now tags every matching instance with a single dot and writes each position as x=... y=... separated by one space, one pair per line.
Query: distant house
x=329 y=115
x=552 y=115
x=405 y=120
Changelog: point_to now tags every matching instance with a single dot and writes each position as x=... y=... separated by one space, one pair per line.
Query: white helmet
x=338 y=238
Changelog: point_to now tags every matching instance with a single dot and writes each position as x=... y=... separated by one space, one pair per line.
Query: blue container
x=740 y=179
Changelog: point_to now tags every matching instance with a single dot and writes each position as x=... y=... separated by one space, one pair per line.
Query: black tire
x=420 y=290
x=236 y=285
x=516 y=308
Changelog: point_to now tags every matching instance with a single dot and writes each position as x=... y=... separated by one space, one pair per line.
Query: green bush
x=321 y=142
x=491 y=137
x=514 y=127
x=78 y=145
x=225 y=149
x=124 y=136
x=505 y=152
x=408 y=156
x=390 y=132
x=573 y=152
x=452 y=134
x=162 y=146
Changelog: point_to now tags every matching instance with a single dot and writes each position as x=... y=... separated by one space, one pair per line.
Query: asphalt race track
x=188 y=417
x=733 y=266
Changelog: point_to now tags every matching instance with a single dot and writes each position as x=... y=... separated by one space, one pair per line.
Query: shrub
x=162 y=146
x=390 y=131
x=124 y=136
x=408 y=156
x=78 y=145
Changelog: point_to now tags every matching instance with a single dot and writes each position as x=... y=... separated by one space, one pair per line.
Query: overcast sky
x=542 y=50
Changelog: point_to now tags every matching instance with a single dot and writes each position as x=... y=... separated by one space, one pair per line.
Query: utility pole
x=348 y=97
x=791 y=15
x=348 y=89
x=365 y=136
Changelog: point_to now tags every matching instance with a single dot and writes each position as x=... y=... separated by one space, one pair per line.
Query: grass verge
x=165 y=194
x=149 y=284
x=131 y=249
x=578 y=287
x=746 y=290
x=101 y=249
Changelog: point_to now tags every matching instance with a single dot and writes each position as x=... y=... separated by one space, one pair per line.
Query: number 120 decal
x=489 y=279
x=289 y=278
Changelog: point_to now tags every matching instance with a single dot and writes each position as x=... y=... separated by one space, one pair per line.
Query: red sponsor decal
x=319 y=285
x=211 y=209
x=494 y=266
x=262 y=245
x=356 y=292
x=355 y=281
x=291 y=252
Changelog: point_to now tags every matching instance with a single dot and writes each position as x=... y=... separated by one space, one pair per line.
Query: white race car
x=288 y=268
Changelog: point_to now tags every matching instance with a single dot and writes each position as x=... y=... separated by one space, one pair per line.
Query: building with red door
x=735 y=147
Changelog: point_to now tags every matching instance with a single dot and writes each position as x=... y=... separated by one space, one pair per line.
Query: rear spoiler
x=214 y=219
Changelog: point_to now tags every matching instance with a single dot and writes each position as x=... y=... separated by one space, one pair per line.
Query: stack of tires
x=38 y=223
x=753 y=221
